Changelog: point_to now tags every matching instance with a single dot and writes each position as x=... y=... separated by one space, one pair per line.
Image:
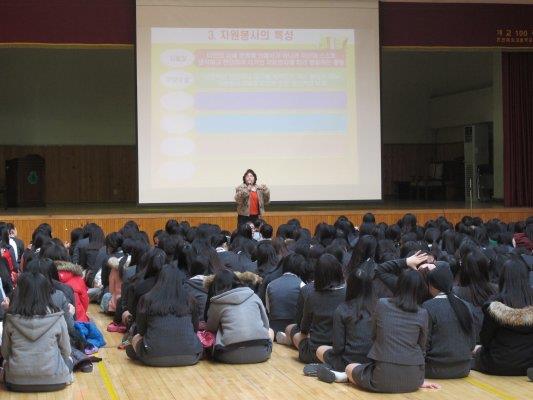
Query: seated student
x=35 y=340
x=268 y=266
x=195 y=284
x=317 y=321
x=400 y=331
x=166 y=323
x=352 y=327
x=240 y=321
x=282 y=293
x=474 y=285
x=451 y=334
x=507 y=331
x=72 y=275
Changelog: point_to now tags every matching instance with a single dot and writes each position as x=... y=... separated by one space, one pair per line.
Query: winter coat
x=237 y=315
x=35 y=350
x=115 y=282
x=72 y=275
x=506 y=340
x=242 y=197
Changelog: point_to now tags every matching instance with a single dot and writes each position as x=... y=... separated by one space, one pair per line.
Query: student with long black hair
x=35 y=340
x=316 y=326
x=451 y=335
x=474 y=284
x=239 y=319
x=400 y=332
x=166 y=324
x=352 y=327
x=507 y=332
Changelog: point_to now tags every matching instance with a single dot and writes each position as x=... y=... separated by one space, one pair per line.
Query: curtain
x=517 y=96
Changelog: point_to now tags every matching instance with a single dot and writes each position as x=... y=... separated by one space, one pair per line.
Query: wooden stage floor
x=281 y=377
x=65 y=217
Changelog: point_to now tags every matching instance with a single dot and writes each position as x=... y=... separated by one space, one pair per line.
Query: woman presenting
x=251 y=198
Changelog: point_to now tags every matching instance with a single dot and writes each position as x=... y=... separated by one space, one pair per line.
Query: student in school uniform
x=166 y=322
x=400 y=332
x=451 y=334
x=282 y=293
x=352 y=327
x=507 y=331
x=316 y=327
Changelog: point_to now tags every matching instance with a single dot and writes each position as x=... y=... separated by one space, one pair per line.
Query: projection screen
x=287 y=88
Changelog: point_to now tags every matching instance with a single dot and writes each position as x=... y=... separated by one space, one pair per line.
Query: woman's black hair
x=408 y=223
x=364 y=249
x=168 y=296
x=75 y=235
x=369 y=217
x=32 y=296
x=441 y=278
x=113 y=241
x=515 y=291
x=224 y=280
x=155 y=259
x=328 y=273
x=249 y=171
x=360 y=292
x=47 y=268
x=336 y=251
x=410 y=291
x=54 y=252
x=474 y=275
x=266 y=257
x=295 y=264
x=96 y=236
x=266 y=231
x=172 y=227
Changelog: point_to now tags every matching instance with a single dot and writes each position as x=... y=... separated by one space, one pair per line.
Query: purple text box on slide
x=270 y=100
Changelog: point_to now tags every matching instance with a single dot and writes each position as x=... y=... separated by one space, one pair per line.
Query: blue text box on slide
x=223 y=124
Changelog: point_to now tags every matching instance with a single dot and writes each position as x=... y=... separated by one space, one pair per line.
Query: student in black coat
x=166 y=324
x=507 y=331
x=317 y=322
x=451 y=334
x=352 y=327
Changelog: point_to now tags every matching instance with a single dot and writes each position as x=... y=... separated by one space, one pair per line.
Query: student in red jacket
x=71 y=275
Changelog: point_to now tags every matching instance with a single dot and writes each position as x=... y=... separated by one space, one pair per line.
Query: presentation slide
x=282 y=101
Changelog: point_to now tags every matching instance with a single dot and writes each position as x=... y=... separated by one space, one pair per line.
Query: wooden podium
x=25 y=181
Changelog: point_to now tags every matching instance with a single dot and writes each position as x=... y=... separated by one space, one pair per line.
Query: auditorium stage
x=111 y=216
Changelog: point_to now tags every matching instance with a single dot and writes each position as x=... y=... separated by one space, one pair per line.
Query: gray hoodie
x=237 y=316
x=35 y=350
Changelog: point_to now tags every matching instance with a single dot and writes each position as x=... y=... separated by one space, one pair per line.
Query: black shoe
x=324 y=374
x=311 y=369
x=88 y=367
x=530 y=373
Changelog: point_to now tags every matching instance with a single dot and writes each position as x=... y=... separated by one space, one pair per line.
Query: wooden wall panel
x=63 y=224
x=106 y=174
x=77 y=174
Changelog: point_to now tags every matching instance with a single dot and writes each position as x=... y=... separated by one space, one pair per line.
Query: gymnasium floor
x=279 y=378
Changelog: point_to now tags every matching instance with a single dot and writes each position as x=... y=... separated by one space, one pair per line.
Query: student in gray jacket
x=240 y=321
x=451 y=333
x=35 y=340
x=400 y=332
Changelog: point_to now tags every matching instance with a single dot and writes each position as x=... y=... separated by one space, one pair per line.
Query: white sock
x=340 y=377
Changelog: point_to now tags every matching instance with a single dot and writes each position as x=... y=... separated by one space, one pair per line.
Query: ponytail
x=462 y=312
x=441 y=278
